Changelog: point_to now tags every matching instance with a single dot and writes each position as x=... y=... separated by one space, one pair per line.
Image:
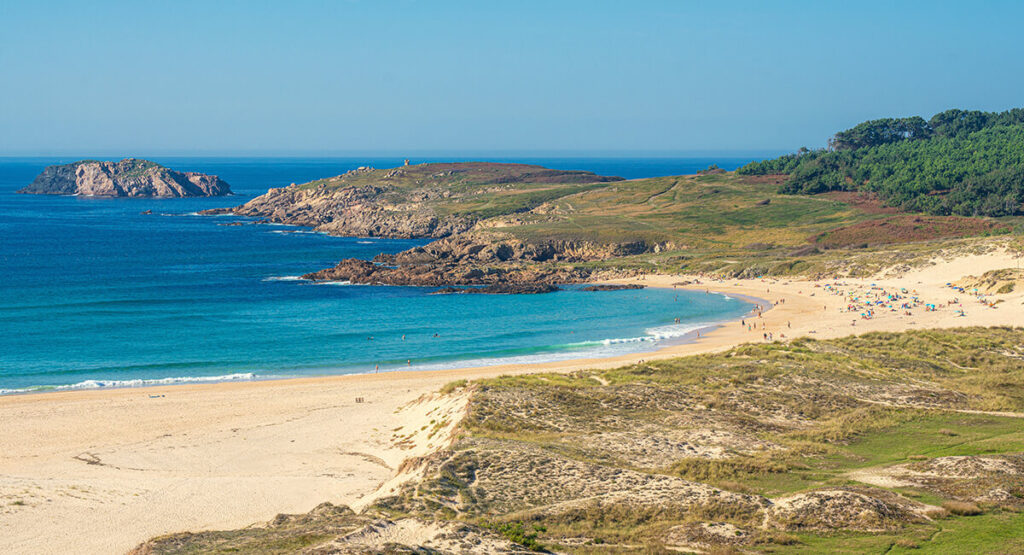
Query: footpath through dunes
x=856 y=444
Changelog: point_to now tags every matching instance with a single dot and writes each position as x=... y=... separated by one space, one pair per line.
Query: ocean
x=94 y=293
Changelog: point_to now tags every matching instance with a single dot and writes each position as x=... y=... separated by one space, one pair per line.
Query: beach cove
x=231 y=454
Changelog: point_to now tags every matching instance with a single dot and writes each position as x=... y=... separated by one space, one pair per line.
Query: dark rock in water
x=609 y=287
x=445 y=274
x=501 y=289
x=232 y=224
x=130 y=177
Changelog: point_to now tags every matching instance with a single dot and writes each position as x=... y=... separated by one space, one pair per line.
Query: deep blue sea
x=95 y=294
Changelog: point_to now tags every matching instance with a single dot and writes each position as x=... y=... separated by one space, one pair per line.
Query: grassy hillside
x=742 y=225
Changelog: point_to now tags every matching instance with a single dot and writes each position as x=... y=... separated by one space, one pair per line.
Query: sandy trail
x=102 y=471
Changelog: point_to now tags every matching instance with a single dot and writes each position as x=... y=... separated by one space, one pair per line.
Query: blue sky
x=351 y=77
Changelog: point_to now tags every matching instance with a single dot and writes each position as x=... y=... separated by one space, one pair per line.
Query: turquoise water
x=95 y=294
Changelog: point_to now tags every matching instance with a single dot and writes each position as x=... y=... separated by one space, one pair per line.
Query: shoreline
x=704 y=328
x=227 y=455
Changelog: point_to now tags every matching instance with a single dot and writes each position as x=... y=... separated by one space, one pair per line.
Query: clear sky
x=623 y=77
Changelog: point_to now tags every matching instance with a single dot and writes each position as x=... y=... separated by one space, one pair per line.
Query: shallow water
x=95 y=294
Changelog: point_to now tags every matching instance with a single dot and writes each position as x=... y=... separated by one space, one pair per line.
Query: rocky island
x=131 y=177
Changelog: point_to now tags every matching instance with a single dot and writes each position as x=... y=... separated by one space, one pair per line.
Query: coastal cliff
x=130 y=177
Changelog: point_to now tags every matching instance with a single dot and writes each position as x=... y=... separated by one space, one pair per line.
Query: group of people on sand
x=984 y=299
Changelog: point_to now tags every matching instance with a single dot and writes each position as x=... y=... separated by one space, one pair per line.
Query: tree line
x=967 y=163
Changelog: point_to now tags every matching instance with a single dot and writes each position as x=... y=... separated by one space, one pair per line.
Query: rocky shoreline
x=501 y=289
x=450 y=275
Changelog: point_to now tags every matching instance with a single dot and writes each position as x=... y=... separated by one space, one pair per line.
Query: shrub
x=516 y=532
x=962 y=508
x=452 y=386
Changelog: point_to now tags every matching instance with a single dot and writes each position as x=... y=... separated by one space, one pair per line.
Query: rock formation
x=130 y=177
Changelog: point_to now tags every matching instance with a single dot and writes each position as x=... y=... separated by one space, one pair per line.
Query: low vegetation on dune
x=881 y=443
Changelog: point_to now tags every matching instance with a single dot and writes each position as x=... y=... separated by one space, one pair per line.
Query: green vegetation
x=966 y=163
x=997 y=532
x=518 y=533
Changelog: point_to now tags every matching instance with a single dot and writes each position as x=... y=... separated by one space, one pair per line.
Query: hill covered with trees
x=966 y=163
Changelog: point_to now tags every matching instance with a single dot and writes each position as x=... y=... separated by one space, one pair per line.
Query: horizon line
x=651 y=154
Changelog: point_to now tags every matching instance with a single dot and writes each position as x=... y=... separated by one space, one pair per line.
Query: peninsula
x=131 y=177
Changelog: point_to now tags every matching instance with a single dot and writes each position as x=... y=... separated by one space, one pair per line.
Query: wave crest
x=117 y=384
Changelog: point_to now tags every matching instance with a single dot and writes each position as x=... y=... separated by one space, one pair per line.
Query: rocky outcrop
x=484 y=258
x=489 y=247
x=446 y=275
x=130 y=177
x=348 y=211
x=611 y=287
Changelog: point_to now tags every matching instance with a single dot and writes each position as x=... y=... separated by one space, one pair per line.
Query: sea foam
x=116 y=384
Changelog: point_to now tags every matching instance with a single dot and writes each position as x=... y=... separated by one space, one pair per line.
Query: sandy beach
x=101 y=471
